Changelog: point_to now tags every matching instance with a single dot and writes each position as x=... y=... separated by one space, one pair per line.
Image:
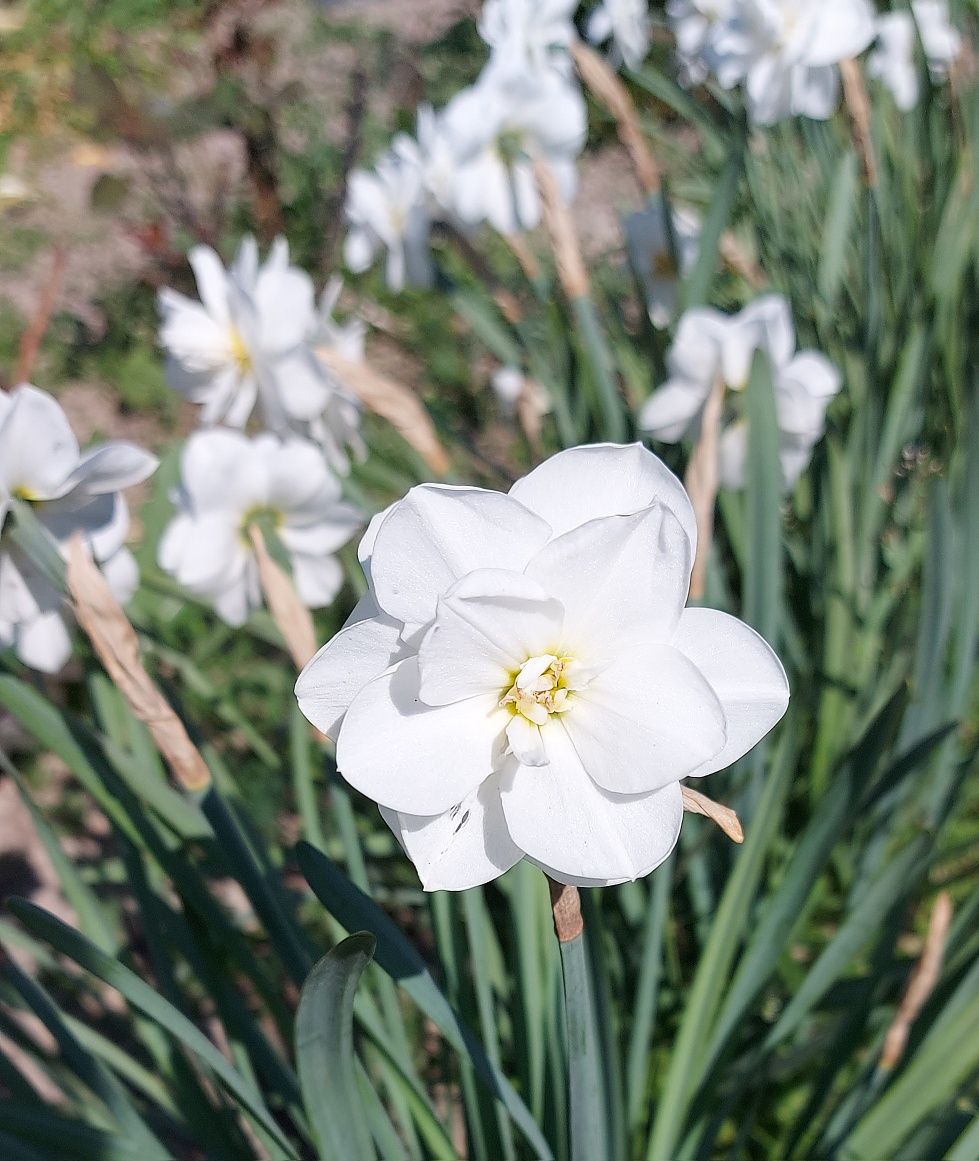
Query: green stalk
x=591 y=1136
x=596 y=352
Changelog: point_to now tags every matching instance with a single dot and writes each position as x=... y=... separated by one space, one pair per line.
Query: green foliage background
x=741 y=995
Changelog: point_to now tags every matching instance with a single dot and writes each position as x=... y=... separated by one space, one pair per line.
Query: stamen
x=540 y=688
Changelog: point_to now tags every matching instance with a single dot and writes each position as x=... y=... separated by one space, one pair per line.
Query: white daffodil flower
x=387 y=214
x=248 y=343
x=626 y=24
x=940 y=39
x=660 y=252
x=229 y=482
x=244 y=343
x=711 y=346
x=70 y=492
x=522 y=679
x=693 y=23
x=499 y=126
x=893 y=58
x=785 y=52
x=529 y=35
x=432 y=153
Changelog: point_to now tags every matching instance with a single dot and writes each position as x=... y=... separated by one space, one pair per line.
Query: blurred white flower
x=499 y=126
x=433 y=154
x=248 y=343
x=229 y=482
x=387 y=214
x=13 y=190
x=693 y=22
x=940 y=39
x=69 y=491
x=785 y=52
x=508 y=386
x=345 y=338
x=711 y=346
x=529 y=34
x=893 y=58
x=626 y=24
x=523 y=680
x=660 y=252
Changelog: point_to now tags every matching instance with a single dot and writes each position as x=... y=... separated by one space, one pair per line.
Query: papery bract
x=70 y=492
x=660 y=251
x=522 y=678
x=229 y=482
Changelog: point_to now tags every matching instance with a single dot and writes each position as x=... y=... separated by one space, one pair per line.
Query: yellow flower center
x=239 y=351
x=540 y=688
x=269 y=521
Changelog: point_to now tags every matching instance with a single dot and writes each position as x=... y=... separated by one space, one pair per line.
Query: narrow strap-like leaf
x=325 y=1052
x=402 y=962
x=138 y=993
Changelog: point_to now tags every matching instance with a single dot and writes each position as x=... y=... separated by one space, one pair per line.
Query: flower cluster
x=472 y=161
x=71 y=493
x=522 y=678
x=250 y=346
x=784 y=52
x=711 y=349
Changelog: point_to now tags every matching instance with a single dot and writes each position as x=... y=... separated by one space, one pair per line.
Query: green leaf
x=34 y=540
x=40 y=1134
x=594 y=346
x=696 y=286
x=928 y=1082
x=86 y=1067
x=713 y=969
x=402 y=962
x=763 y=566
x=146 y=1000
x=591 y=1139
x=856 y=931
x=836 y=230
x=94 y=919
x=325 y=1052
x=488 y=326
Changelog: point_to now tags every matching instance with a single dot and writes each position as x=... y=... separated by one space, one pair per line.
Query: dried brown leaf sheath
x=722 y=815
x=114 y=640
x=613 y=94
x=922 y=982
x=561 y=234
x=701 y=483
x=566 y=908
x=391 y=401
x=289 y=613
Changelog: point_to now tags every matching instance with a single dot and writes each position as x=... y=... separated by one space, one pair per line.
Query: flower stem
x=591 y=1139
